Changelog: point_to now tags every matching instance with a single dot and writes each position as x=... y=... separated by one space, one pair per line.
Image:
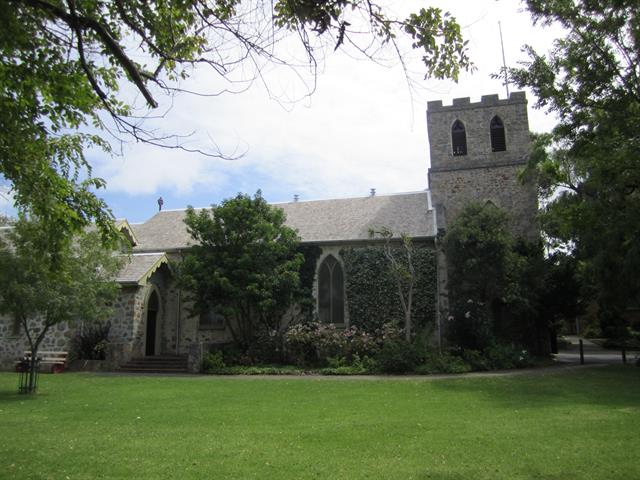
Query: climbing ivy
x=307 y=277
x=372 y=295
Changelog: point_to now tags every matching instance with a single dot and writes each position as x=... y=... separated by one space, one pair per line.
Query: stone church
x=477 y=150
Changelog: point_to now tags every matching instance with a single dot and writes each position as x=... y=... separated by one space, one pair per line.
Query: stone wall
x=498 y=184
x=482 y=175
x=14 y=343
x=126 y=335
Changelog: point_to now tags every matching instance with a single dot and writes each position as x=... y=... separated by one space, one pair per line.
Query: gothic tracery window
x=331 y=291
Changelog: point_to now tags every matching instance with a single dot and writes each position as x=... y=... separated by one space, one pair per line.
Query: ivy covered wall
x=372 y=295
x=307 y=277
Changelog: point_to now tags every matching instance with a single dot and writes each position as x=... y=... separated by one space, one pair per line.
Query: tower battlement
x=485 y=101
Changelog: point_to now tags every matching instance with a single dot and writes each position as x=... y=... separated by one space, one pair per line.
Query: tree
x=477 y=246
x=5 y=220
x=244 y=266
x=589 y=166
x=561 y=293
x=65 y=62
x=402 y=271
x=505 y=290
x=41 y=287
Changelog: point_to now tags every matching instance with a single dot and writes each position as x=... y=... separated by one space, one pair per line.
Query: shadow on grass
x=11 y=396
x=470 y=474
x=611 y=386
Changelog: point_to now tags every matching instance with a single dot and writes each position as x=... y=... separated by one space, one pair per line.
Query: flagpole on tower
x=504 y=61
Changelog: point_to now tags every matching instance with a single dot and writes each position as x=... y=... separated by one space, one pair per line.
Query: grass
x=563 y=425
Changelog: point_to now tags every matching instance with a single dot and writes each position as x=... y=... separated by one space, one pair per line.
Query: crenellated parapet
x=485 y=101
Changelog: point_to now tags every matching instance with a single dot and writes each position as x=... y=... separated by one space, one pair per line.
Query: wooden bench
x=56 y=362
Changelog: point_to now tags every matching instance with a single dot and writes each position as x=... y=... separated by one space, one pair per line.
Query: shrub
x=231 y=354
x=266 y=348
x=632 y=342
x=398 y=356
x=91 y=342
x=213 y=362
x=359 y=366
x=314 y=343
x=361 y=343
x=592 y=331
x=260 y=370
x=502 y=356
x=445 y=363
x=471 y=325
x=476 y=360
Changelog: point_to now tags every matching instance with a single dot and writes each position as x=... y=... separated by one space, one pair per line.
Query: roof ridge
x=377 y=195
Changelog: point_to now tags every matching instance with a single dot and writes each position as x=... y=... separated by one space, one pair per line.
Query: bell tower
x=477 y=151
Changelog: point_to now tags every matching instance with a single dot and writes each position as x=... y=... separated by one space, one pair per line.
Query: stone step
x=157 y=358
x=156 y=364
x=153 y=370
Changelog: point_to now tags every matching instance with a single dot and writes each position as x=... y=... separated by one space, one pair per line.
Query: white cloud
x=145 y=170
x=360 y=129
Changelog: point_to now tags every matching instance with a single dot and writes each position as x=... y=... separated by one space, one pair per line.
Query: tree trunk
x=407 y=314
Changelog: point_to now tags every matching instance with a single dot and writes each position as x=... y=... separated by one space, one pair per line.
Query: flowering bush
x=313 y=343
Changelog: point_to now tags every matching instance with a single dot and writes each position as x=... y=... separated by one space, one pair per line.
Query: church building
x=477 y=150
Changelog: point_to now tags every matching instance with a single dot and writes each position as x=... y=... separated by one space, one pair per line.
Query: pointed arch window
x=458 y=138
x=331 y=291
x=498 y=140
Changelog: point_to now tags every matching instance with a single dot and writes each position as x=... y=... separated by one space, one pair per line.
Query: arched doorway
x=153 y=307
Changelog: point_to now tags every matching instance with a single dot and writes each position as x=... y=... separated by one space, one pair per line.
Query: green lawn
x=575 y=424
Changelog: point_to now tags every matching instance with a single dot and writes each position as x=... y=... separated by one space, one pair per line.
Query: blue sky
x=361 y=129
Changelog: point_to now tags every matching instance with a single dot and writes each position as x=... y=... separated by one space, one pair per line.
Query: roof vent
x=372 y=193
x=296 y=197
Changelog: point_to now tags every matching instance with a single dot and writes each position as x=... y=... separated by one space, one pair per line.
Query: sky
x=362 y=128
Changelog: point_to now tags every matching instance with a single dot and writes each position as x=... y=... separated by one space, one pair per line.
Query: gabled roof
x=122 y=225
x=140 y=267
x=317 y=221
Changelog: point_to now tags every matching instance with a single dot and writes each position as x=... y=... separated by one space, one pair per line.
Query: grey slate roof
x=336 y=220
x=349 y=219
x=140 y=267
